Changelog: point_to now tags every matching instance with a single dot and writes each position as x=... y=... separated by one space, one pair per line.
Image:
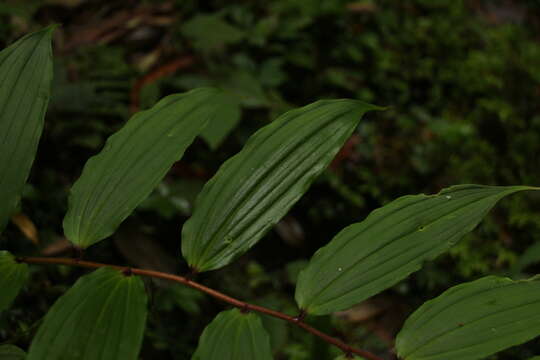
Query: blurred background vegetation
x=461 y=78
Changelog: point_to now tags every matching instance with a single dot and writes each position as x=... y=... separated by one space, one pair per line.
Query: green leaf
x=11 y=352
x=530 y=256
x=217 y=130
x=473 y=320
x=13 y=276
x=211 y=32
x=25 y=78
x=233 y=335
x=247 y=88
x=392 y=242
x=133 y=162
x=101 y=317
x=255 y=188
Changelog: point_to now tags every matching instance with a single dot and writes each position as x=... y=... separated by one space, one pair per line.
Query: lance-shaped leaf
x=473 y=320
x=255 y=188
x=233 y=335
x=102 y=317
x=11 y=352
x=217 y=130
x=133 y=162
x=392 y=242
x=25 y=87
x=13 y=276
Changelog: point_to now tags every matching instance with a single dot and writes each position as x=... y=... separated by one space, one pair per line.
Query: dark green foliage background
x=461 y=78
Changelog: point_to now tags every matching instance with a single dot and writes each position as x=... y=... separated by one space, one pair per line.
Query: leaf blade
x=473 y=320
x=217 y=130
x=392 y=242
x=13 y=276
x=26 y=78
x=101 y=317
x=133 y=162
x=233 y=335
x=252 y=190
x=11 y=352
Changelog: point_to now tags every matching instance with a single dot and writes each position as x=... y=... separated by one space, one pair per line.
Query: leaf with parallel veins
x=367 y=257
x=255 y=188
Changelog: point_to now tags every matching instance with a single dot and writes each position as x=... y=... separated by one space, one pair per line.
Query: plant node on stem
x=301 y=316
x=127 y=271
x=192 y=273
x=245 y=309
x=77 y=252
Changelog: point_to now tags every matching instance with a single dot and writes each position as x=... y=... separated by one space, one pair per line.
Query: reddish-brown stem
x=244 y=306
x=162 y=71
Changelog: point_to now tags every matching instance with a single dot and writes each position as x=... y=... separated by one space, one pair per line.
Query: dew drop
x=421 y=228
x=339 y=269
x=448 y=197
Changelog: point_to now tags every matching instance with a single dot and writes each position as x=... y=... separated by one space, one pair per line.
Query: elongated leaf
x=133 y=162
x=473 y=320
x=256 y=187
x=25 y=88
x=101 y=317
x=210 y=32
x=217 y=130
x=392 y=242
x=11 y=352
x=233 y=335
x=13 y=276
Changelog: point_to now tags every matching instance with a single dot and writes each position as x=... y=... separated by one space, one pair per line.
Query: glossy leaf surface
x=13 y=276
x=392 y=242
x=233 y=335
x=25 y=87
x=473 y=320
x=102 y=317
x=133 y=162
x=11 y=352
x=255 y=188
